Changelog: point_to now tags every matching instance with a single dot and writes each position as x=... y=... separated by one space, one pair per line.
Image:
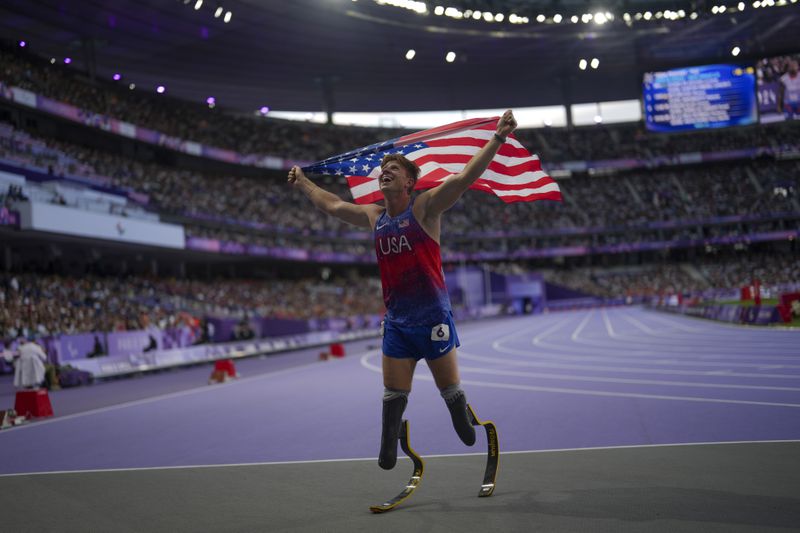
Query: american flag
x=514 y=174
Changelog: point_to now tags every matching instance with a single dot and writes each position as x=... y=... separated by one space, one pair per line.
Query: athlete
x=789 y=91
x=418 y=322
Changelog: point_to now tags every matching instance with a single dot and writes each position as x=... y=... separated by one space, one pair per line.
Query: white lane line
x=676 y=349
x=709 y=338
x=525 y=331
x=433 y=456
x=587 y=392
x=607 y=322
x=598 y=379
x=559 y=353
x=580 y=327
x=625 y=369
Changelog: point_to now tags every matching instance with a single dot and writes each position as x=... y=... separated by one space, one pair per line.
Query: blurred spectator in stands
x=29 y=365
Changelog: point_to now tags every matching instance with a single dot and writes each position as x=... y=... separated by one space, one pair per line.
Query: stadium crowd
x=625 y=208
x=248 y=134
x=707 y=274
x=48 y=304
x=239 y=206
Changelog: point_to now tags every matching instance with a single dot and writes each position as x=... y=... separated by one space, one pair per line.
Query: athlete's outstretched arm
x=442 y=198
x=358 y=215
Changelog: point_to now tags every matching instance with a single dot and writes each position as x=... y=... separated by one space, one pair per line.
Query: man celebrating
x=419 y=321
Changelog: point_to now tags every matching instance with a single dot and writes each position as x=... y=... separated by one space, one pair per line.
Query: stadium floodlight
x=476 y=15
x=647 y=15
x=735 y=51
x=693 y=16
x=488 y=17
x=160 y=89
x=23 y=44
x=600 y=18
x=132 y=86
x=228 y=16
x=410 y=54
x=438 y=10
x=450 y=57
x=264 y=110
x=582 y=64
x=198 y=4
x=67 y=60
x=540 y=18
x=741 y=6
x=499 y=17
x=595 y=63
x=116 y=77
x=52 y=60
x=598 y=119
x=218 y=12
x=211 y=100
x=557 y=18
x=548 y=122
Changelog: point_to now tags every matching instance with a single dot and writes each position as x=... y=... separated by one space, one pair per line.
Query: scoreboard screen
x=710 y=96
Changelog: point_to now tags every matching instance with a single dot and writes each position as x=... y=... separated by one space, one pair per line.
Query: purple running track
x=603 y=377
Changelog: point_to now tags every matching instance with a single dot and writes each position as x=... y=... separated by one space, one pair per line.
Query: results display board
x=710 y=96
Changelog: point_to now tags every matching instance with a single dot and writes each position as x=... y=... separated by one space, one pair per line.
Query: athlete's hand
x=295 y=174
x=506 y=124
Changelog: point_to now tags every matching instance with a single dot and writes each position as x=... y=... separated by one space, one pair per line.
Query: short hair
x=406 y=163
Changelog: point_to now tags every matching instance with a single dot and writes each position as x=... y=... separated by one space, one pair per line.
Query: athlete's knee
x=390 y=393
x=456 y=402
x=451 y=392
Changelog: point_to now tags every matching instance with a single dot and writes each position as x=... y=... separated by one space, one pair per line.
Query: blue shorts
x=417 y=342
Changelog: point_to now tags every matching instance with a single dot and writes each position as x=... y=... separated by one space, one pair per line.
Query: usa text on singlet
x=410 y=262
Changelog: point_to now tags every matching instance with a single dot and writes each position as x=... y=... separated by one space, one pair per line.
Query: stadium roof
x=350 y=56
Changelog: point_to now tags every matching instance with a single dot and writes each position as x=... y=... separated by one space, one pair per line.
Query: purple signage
x=71 y=347
x=133 y=342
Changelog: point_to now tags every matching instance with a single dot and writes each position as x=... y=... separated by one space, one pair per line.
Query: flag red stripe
x=532 y=165
x=541 y=182
x=471 y=123
x=552 y=195
x=507 y=149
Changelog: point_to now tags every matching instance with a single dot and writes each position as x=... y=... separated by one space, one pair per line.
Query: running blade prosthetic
x=493 y=453
x=416 y=477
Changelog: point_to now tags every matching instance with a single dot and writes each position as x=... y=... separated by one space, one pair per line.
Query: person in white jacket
x=29 y=365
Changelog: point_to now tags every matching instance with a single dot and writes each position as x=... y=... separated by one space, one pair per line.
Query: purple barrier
x=177 y=338
x=757 y=315
x=223 y=328
x=70 y=347
x=132 y=342
x=278 y=327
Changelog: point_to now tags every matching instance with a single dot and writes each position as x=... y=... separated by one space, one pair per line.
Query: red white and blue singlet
x=410 y=263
